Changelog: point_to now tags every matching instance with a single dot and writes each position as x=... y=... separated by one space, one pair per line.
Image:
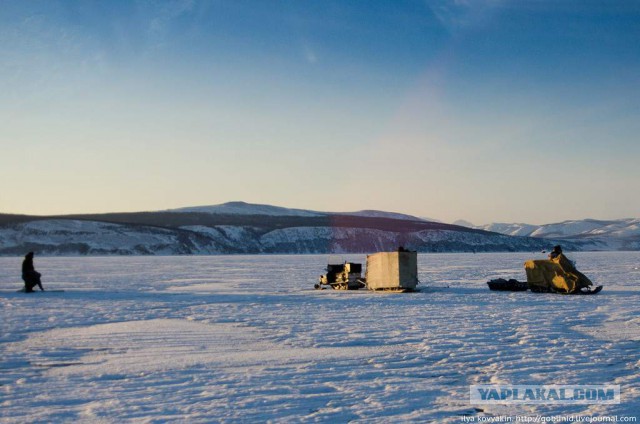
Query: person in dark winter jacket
x=557 y=251
x=30 y=276
x=568 y=265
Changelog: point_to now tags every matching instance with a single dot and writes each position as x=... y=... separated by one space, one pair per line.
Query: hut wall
x=392 y=270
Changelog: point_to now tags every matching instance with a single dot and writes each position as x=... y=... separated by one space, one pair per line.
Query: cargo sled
x=346 y=276
x=500 y=284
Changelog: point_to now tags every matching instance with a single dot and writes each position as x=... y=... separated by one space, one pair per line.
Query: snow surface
x=247 y=339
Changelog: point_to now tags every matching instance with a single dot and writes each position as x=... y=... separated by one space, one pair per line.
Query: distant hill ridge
x=618 y=234
x=239 y=227
x=243 y=208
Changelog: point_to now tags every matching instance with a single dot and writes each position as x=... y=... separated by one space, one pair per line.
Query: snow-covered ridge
x=244 y=228
x=243 y=208
x=78 y=237
x=574 y=228
x=381 y=214
x=522 y=230
x=620 y=234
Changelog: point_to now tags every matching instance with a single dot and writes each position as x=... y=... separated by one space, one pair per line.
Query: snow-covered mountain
x=79 y=237
x=382 y=214
x=463 y=223
x=621 y=234
x=522 y=230
x=239 y=227
x=243 y=208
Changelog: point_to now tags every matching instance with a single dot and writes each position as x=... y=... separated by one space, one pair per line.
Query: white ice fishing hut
x=392 y=271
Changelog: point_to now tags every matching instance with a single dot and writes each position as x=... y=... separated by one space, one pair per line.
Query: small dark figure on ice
x=30 y=276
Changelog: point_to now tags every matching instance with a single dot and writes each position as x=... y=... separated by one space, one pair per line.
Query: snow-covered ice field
x=247 y=339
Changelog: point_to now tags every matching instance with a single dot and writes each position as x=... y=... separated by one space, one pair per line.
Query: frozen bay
x=246 y=338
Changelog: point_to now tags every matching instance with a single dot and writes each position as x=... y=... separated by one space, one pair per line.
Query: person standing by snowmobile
x=30 y=276
x=557 y=250
x=568 y=266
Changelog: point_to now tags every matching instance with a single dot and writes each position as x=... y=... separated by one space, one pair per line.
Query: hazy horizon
x=487 y=111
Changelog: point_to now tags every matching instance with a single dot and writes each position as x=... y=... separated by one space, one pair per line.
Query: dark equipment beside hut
x=346 y=276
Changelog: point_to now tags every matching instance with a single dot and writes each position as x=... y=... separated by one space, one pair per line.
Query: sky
x=487 y=110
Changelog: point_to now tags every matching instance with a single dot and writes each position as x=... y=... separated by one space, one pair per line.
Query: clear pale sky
x=489 y=111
